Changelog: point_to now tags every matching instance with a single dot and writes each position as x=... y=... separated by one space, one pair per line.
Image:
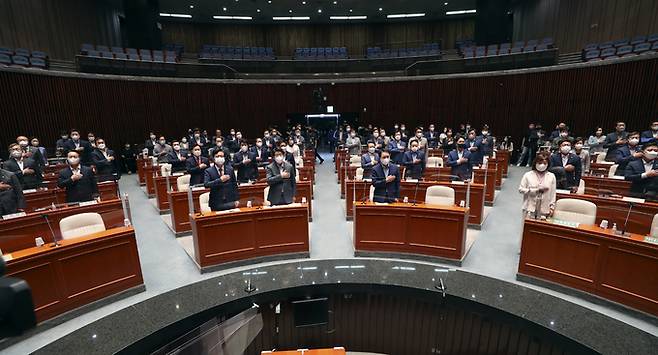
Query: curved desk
x=424 y=231
x=45 y=197
x=223 y=239
x=593 y=260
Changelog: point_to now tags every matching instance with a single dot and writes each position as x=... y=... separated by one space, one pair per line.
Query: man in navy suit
x=615 y=140
x=650 y=136
x=177 y=157
x=25 y=169
x=220 y=179
x=486 y=141
x=566 y=166
x=78 y=180
x=261 y=152
x=643 y=172
x=397 y=147
x=414 y=160
x=196 y=165
x=104 y=160
x=473 y=145
x=369 y=160
x=627 y=153
x=459 y=161
x=386 y=180
x=82 y=147
x=245 y=162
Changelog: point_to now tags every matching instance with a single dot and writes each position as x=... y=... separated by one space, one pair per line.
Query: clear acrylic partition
x=252 y=194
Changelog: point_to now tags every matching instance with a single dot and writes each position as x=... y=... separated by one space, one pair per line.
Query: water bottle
x=249 y=204
x=614 y=228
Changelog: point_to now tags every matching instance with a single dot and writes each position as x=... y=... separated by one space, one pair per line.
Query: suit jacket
x=624 y=155
x=222 y=194
x=647 y=137
x=476 y=156
x=486 y=148
x=610 y=143
x=149 y=144
x=282 y=190
x=633 y=173
x=414 y=171
x=565 y=180
x=31 y=181
x=85 y=154
x=82 y=190
x=105 y=170
x=245 y=171
x=176 y=163
x=461 y=170
x=367 y=164
x=264 y=155
x=196 y=173
x=385 y=191
x=397 y=154
x=11 y=199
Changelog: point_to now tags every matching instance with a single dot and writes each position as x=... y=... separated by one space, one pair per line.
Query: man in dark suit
x=245 y=162
x=219 y=145
x=177 y=157
x=643 y=171
x=650 y=136
x=473 y=145
x=105 y=161
x=261 y=151
x=198 y=139
x=151 y=142
x=386 y=180
x=281 y=180
x=32 y=152
x=396 y=147
x=615 y=140
x=25 y=169
x=627 y=153
x=486 y=142
x=220 y=179
x=459 y=161
x=196 y=165
x=414 y=160
x=82 y=147
x=11 y=193
x=78 y=180
x=566 y=166
x=369 y=160
x=289 y=156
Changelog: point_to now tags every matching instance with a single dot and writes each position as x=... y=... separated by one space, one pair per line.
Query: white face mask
x=419 y=135
x=385 y=161
x=239 y=136
x=243 y=148
x=353 y=135
x=74 y=161
x=633 y=141
x=278 y=159
x=184 y=140
x=398 y=138
x=651 y=154
x=375 y=134
x=75 y=137
x=176 y=147
x=219 y=160
x=22 y=143
x=152 y=137
x=484 y=133
x=371 y=149
x=541 y=167
x=16 y=154
x=565 y=149
x=162 y=142
x=101 y=146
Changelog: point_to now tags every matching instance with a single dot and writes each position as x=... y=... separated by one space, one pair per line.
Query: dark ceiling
x=262 y=11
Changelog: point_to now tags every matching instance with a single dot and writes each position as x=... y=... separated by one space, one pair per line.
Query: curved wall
x=125 y=108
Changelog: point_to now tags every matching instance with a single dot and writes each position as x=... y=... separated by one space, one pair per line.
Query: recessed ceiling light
x=335 y=2
x=290 y=11
x=445 y=3
x=461 y=12
x=269 y=1
x=232 y=17
x=223 y=8
x=257 y=10
x=164 y=14
x=405 y=15
x=319 y=11
x=289 y=18
x=191 y=6
x=380 y=9
x=350 y=10
x=303 y=2
x=348 y=17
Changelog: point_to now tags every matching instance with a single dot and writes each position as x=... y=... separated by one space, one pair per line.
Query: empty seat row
x=616 y=52
x=23 y=52
x=227 y=52
x=23 y=61
x=430 y=49
x=321 y=53
x=621 y=42
x=129 y=53
x=145 y=57
x=503 y=50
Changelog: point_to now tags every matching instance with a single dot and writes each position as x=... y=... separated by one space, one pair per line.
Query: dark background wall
x=59 y=26
x=124 y=110
x=573 y=24
x=285 y=38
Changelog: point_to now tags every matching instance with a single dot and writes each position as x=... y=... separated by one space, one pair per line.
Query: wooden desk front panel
x=504 y=156
x=160 y=183
x=435 y=152
x=45 y=198
x=141 y=164
x=404 y=228
x=615 y=211
x=617 y=186
x=222 y=238
x=497 y=164
x=80 y=271
x=594 y=261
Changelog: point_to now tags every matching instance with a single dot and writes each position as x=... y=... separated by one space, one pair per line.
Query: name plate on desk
x=13 y=215
x=198 y=188
x=88 y=203
x=29 y=191
x=560 y=191
x=566 y=223
x=228 y=211
x=381 y=203
x=616 y=177
x=412 y=180
x=633 y=199
x=651 y=240
x=178 y=174
x=457 y=182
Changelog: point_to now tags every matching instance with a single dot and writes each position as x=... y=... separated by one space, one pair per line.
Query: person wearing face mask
x=237 y=142
x=261 y=153
x=63 y=138
x=353 y=144
x=104 y=159
x=11 y=193
x=396 y=148
x=25 y=169
x=559 y=128
x=643 y=172
x=386 y=180
x=281 y=180
x=245 y=163
x=300 y=140
x=184 y=145
x=615 y=140
x=538 y=185
x=161 y=149
x=563 y=135
x=486 y=142
x=288 y=155
x=196 y=165
x=81 y=146
x=78 y=180
x=566 y=166
x=220 y=179
x=128 y=159
x=595 y=141
x=198 y=140
x=422 y=141
x=432 y=137
x=219 y=145
x=34 y=144
x=414 y=161
x=651 y=135
x=31 y=152
x=91 y=138
x=369 y=160
x=459 y=160
x=268 y=141
x=627 y=153
x=151 y=142
x=472 y=144
x=177 y=157
x=230 y=141
x=529 y=145
x=218 y=134
x=582 y=153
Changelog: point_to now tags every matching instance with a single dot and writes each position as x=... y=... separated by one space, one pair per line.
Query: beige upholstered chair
x=654 y=226
x=266 y=191
x=440 y=195
x=600 y=158
x=81 y=224
x=165 y=169
x=574 y=210
x=581 y=187
x=435 y=162
x=613 y=170
x=296 y=175
x=204 y=202
x=183 y=182
x=299 y=162
x=359 y=174
x=371 y=195
x=355 y=160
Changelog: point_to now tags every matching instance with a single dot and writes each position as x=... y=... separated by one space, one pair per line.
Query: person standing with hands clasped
x=538 y=187
x=78 y=180
x=220 y=179
x=281 y=180
x=386 y=180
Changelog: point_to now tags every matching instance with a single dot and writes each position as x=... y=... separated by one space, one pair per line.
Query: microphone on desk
x=55 y=241
x=416 y=192
x=630 y=208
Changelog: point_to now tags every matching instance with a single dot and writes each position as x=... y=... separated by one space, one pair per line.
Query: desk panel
x=617 y=186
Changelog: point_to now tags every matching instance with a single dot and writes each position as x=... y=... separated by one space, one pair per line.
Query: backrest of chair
x=440 y=195
x=600 y=158
x=371 y=194
x=183 y=182
x=204 y=202
x=165 y=169
x=266 y=191
x=613 y=170
x=296 y=175
x=81 y=224
x=574 y=210
x=435 y=162
x=359 y=174
x=654 y=226
x=299 y=162
x=581 y=187
x=355 y=159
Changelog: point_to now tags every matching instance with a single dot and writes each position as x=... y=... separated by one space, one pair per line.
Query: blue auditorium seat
x=542 y=47
x=107 y=54
x=606 y=44
x=7 y=51
x=171 y=54
x=516 y=50
x=20 y=60
x=529 y=48
x=591 y=47
x=123 y=56
x=519 y=44
x=638 y=39
x=642 y=47
x=654 y=46
x=608 y=52
x=22 y=52
x=116 y=50
x=548 y=41
x=492 y=48
x=93 y=53
x=503 y=51
x=143 y=52
x=39 y=54
x=170 y=59
x=86 y=47
x=146 y=57
x=131 y=51
x=589 y=55
x=133 y=56
x=101 y=48
x=469 y=53
x=623 y=50
x=38 y=62
x=532 y=42
x=653 y=38
x=620 y=42
x=5 y=59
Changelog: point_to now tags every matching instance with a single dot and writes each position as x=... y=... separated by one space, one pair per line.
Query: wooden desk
x=46 y=197
x=403 y=228
x=78 y=272
x=504 y=156
x=486 y=177
x=339 y=157
x=351 y=174
x=476 y=215
x=150 y=172
x=180 y=220
x=600 y=168
x=497 y=163
x=616 y=209
x=593 y=260
x=617 y=186
x=435 y=152
x=249 y=233
x=141 y=164
x=19 y=233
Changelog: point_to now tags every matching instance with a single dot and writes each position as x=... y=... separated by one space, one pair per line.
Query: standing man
x=82 y=147
x=643 y=172
x=650 y=136
x=78 y=180
x=244 y=162
x=627 y=153
x=386 y=180
x=151 y=142
x=397 y=147
x=220 y=179
x=161 y=150
x=459 y=161
x=196 y=165
x=11 y=193
x=369 y=160
x=615 y=140
x=353 y=144
x=281 y=180
x=414 y=160
x=566 y=166
x=177 y=157
x=105 y=162
x=25 y=169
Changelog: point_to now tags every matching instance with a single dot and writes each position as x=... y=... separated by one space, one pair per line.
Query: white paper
x=560 y=191
x=633 y=199
x=457 y=182
x=199 y=188
x=616 y=177
x=29 y=191
x=180 y=173
x=381 y=203
x=412 y=180
x=13 y=215
x=88 y=203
